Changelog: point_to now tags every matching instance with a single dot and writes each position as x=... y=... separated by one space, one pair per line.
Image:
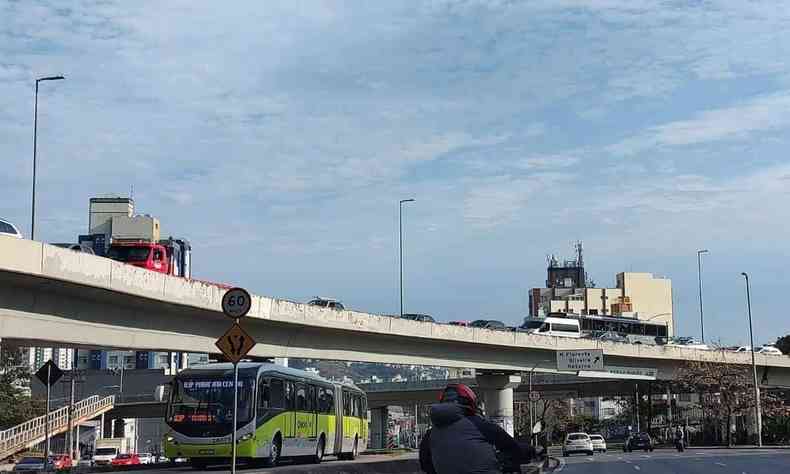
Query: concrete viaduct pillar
x=497 y=394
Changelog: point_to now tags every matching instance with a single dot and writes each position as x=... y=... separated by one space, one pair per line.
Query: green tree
x=16 y=405
x=783 y=344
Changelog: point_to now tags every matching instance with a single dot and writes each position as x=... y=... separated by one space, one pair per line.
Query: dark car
x=76 y=247
x=489 y=324
x=425 y=318
x=638 y=441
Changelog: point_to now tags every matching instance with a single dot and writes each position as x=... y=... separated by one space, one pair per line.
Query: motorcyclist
x=462 y=441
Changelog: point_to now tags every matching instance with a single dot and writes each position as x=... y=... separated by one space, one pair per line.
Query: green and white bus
x=282 y=412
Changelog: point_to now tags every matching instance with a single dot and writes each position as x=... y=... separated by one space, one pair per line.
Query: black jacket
x=462 y=444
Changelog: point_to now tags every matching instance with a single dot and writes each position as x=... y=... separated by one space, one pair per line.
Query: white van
x=562 y=327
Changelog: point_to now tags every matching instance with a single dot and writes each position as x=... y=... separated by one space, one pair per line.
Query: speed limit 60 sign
x=236 y=303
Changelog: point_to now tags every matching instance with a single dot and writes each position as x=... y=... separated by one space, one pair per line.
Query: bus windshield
x=204 y=406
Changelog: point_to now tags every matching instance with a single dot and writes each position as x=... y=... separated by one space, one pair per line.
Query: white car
x=577 y=443
x=769 y=350
x=8 y=229
x=743 y=349
x=598 y=443
x=146 y=458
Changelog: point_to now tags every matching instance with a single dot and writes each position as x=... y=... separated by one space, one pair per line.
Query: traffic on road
x=666 y=461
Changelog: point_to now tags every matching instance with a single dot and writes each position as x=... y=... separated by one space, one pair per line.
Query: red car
x=60 y=462
x=126 y=460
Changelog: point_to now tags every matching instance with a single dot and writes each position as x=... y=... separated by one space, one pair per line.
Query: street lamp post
x=758 y=408
x=35 y=143
x=400 y=234
x=699 y=276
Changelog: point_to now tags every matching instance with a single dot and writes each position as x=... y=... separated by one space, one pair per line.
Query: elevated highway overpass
x=52 y=295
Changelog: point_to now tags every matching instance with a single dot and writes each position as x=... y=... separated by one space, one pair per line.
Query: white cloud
x=763 y=114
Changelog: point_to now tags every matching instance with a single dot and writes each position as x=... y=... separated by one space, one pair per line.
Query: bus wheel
x=276 y=451
x=319 y=451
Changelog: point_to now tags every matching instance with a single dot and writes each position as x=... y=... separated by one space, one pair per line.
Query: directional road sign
x=235 y=343
x=236 y=303
x=586 y=359
x=49 y=373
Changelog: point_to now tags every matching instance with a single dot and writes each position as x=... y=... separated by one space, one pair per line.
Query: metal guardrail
x=30 y=432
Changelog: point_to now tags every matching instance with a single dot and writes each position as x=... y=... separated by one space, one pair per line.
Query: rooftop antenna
x=579 y=253
x=131 y=191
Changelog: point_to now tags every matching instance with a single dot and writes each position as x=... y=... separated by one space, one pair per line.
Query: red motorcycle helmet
x=462 y=395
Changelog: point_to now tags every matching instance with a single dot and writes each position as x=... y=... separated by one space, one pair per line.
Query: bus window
x=264 y=394
x=276 y=394
x=346 y=403
x=301 y=397
x=289 y=396
x=546 y=327
x=357 y=406
x=330 y=400
x=311 y=406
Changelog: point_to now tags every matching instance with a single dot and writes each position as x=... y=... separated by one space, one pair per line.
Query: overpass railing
x=32 y=432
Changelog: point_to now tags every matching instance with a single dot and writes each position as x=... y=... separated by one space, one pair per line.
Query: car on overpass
x=492 y=324
x=8 y=229
x=769 y=350
x=330 y=303
x=76 y=247
x=425 y=318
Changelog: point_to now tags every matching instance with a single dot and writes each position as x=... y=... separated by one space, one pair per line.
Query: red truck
x=170 y=256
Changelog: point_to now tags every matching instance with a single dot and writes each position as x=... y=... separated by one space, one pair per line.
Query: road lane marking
x=637 y=468
x=721 y=464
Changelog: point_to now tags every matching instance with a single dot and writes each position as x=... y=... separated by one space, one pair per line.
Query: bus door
x=305 y=420
x=288 y=424
x=339 y=395
x=312 y=408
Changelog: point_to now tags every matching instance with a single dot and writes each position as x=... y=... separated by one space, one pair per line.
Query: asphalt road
x=709 y=461
x=330 y=464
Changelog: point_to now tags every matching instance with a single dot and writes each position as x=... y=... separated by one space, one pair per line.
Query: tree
x=783 y=344
x=16 y=405
x=726 y=391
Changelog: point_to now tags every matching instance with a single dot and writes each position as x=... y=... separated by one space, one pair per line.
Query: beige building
x=636 y=295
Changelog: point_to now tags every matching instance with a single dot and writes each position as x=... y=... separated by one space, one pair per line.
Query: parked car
x=76 y=247
x=425 y=318
x=146 y=458
x=326 y=303
x=492 y=324
x=769 y=350
x=577 y=443
x=126 y=460
x=9 y=229
x=86 y=460
x=60 y=462
x=30 y=463
x=599 y=444
x=638 y=441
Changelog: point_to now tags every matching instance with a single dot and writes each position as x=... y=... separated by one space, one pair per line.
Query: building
x=641 y=296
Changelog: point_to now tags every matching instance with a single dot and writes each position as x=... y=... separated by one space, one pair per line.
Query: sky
x=278 y=137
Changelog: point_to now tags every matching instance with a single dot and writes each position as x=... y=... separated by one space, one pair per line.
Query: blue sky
x=279 y=136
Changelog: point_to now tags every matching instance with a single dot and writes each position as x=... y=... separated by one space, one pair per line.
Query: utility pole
x=757 y=404
x=35 y=146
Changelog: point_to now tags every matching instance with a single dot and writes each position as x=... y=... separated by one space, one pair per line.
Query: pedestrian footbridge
x=33 y=432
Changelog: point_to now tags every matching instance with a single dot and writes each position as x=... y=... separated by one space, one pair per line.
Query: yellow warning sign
x=235 y=343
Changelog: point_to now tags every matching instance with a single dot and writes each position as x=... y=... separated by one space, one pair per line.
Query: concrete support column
x=497 y=394
x=378 y=427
